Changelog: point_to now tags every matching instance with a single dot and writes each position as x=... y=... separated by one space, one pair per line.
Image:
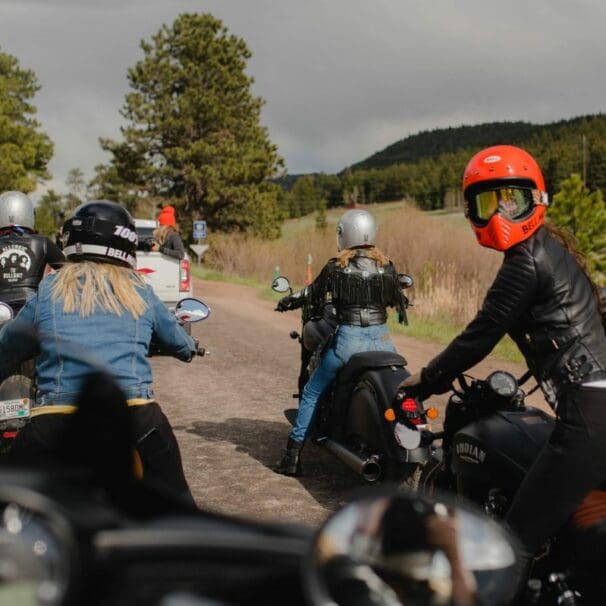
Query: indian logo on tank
x=470 y=452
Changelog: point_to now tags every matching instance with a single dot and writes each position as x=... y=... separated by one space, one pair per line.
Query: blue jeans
x=348 y=341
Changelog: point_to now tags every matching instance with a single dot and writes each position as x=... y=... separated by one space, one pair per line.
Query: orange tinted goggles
x=513 y=202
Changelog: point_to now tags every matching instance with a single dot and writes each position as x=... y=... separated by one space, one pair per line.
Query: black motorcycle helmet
x=103 y=231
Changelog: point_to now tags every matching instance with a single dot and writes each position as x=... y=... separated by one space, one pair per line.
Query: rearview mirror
x=280 y=284
x=405 y=281
x=191 y=310
x=400 y=548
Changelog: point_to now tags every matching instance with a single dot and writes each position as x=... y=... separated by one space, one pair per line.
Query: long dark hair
x=568 y=240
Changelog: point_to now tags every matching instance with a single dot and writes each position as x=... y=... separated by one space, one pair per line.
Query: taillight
x=411 y=411
x=9 y=435
x=184 y=275
x=409 y=405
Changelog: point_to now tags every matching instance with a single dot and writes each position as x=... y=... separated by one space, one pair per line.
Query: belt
x=362 y=317
x=68 y=409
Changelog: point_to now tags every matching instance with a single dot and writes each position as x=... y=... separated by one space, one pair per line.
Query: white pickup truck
x=170 y=278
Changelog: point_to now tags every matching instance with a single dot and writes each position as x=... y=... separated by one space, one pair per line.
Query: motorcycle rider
x=360 y=283
x=97 y=301
x=24 y=254
x=543 y=298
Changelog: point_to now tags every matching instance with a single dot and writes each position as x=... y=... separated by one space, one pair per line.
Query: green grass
x=443 y=332
x=203 y=273
x=433 y=331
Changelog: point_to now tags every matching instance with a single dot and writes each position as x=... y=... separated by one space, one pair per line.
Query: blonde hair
x=161 y=233
x=345 y=256
x=86 y=286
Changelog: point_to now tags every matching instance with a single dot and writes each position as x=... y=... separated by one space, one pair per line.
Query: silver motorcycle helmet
x=356 y=228
x=16 y=209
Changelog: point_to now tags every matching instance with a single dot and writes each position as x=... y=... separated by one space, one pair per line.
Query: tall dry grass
x=451 y=271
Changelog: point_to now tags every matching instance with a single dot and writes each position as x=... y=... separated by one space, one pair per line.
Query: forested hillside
x=427 y=165
x=428 y=144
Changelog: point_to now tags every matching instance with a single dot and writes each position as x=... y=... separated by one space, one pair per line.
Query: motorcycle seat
x=367 y=360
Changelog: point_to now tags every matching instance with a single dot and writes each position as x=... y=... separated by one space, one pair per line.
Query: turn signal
x=432 y=413
x=390 y=415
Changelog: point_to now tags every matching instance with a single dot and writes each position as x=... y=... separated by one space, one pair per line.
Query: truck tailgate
x=162 y=272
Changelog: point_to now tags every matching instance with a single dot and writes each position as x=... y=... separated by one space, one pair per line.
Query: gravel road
x=227 y=410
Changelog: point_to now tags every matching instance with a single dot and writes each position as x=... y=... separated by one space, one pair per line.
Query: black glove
x=410 y=385
x=417 y=386
x=285 y=304
x=424 y=384
x=146 y=245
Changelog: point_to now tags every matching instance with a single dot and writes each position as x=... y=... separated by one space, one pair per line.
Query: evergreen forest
x=427 y=167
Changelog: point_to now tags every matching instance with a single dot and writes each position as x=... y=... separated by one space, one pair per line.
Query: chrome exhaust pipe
x=369 y=469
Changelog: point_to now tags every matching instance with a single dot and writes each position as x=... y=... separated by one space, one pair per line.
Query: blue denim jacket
x=69 y=346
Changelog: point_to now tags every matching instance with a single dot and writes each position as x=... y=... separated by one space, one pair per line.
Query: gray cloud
x=341 y=78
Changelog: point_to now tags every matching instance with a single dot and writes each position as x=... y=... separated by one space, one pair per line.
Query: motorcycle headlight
x=35 y=560
x=503 y=384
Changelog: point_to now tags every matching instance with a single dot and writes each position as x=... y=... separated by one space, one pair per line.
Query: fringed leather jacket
x=360 y=292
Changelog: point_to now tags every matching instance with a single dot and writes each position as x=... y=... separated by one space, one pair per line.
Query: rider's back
x=23 y=260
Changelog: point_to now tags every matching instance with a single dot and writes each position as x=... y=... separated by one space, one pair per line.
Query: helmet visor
x=512 y=202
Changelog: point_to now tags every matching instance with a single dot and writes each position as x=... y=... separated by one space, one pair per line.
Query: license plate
x=406 y=437
x=14 y=409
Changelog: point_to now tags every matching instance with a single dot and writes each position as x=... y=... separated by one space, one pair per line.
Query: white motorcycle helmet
x=356 y=228
x=16 y=209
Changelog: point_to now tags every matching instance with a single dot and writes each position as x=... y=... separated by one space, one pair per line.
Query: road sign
x=199 y=230
x=199 y=249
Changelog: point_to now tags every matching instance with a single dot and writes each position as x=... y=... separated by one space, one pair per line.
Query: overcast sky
x=341 y=78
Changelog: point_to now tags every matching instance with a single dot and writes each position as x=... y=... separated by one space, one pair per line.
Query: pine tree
x=583 y=214
x=305 y=195
x=193 y=133
x=50 y=213
x=596 y=166
x=24 y=150
x=321 y=222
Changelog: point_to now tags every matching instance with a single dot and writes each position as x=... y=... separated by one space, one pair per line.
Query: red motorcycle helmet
x=505 y=197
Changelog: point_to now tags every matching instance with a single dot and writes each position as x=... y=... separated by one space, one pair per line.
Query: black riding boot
x=290 y=464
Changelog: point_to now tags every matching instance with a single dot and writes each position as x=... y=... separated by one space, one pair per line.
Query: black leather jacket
x=23 y=258
x=545 y=302
x=359 y=292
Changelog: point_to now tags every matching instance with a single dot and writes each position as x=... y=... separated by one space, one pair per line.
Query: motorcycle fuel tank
x=499 y=448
